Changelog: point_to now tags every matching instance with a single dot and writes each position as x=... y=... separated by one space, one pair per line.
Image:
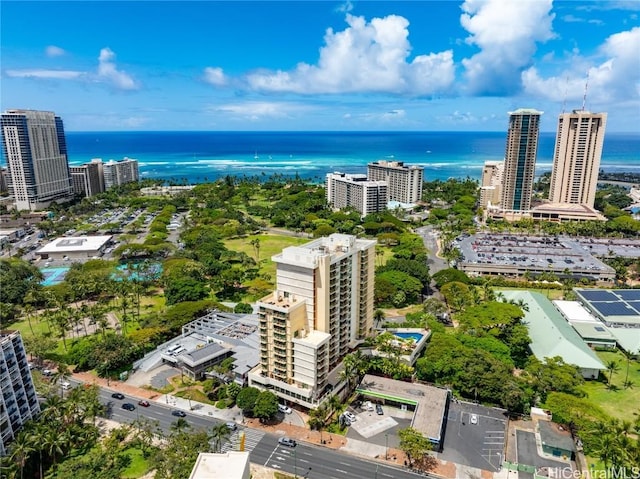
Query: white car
x=474 y=419
x=350 y=416
x=284 y=409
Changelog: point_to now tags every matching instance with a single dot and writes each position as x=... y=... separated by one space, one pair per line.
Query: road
x=304 y=460
x=430 y=239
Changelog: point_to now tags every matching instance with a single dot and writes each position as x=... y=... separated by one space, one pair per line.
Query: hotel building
x=322 y=307
x=88 y=179
x=520 y=159
x=357 y=192
x=18 y=400
x=118 y=173
x=35 y=151
x=576 y=157
x=404 y=183
x=491 y=183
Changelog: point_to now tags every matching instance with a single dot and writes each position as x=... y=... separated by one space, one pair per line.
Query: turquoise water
x=415 y=336
x=53 y=276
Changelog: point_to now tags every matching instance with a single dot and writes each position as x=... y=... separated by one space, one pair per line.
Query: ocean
x=196 y=157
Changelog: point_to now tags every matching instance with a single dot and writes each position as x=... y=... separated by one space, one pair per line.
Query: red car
x=143 y=403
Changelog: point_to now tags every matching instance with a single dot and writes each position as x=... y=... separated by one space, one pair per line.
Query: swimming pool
x=53 y=276
x=415 y=336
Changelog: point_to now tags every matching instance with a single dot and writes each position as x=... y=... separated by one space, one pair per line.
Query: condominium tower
x=118 y=173
x=88 y=179
x=35 y=151
x=18 y=400
x=404 y=182
x=322 y=307
x=357 y=192
x=520 y=159
x=491 y=183
x=576 y=157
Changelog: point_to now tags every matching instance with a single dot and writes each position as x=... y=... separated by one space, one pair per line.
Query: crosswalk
x=251 y=439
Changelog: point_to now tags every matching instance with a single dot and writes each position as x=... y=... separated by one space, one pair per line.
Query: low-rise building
x=75 y=248
x=228 y=465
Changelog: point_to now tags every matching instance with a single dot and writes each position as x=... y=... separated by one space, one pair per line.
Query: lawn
x=139 y=465
x=618 y=402
x=270 y=244
x=551 y=294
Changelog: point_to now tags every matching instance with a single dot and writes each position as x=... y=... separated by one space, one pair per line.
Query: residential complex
x=18 y=401
x=404 y=182
x=322 y=307
x=118 y=173
x=520 y=159
x=35 y=152
x=576 y=157
x=357 y=192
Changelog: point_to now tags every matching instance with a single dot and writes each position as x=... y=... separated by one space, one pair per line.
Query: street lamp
x=386 y=447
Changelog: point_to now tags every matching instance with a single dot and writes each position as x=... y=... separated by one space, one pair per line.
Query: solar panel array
x=635 y=305
x=614 y=302
x=614 y=309
x=598 y=295
x=629 y=294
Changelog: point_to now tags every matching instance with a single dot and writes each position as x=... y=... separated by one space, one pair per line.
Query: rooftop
x=75 y=243
x=228 y=465
x=430 y=402
x=550 y=334
x=552 y=436
x=314 y=338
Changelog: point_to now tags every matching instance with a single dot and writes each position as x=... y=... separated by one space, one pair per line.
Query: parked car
x=232 y=426
x=367 y=406
x=379 y=409
x=128 y=406
x=178 y=413
x=350 y=416
x=284 y=409
x=143 y=403
x=117 y=396
x=474 y=419
x=287 y=441
x=66 y=385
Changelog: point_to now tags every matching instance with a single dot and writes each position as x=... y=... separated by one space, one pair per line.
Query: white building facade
x=357 y=192
x=404 y=182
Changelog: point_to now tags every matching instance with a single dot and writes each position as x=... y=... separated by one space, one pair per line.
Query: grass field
x=139 y=465
x=551 y=294
x=618 y=402
x=270 y=244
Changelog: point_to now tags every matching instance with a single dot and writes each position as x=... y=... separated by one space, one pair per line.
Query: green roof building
x=551 y=335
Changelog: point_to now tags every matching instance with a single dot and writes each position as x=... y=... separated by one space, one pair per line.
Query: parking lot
x=527 y=453
x=381 y=430
x=478 y=445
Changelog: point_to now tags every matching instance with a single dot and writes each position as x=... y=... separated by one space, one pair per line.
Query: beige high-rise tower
x=576 y=157
x=322 y=307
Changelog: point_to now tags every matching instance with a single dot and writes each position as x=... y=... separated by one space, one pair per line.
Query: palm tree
x=61 y=375
x=612 y=366
x=21 y=449
x=180 y=425
x=219 y=434
x=378 y=317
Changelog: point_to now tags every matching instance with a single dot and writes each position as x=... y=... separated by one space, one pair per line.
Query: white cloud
x=45 y=74
x=615 y=76
x=53 y=51
x=215 y=76
x=108 y=72
x=506 y=32
x=365 y=57
x=257 y=110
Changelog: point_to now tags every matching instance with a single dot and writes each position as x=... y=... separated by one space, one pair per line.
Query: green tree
x=415 y=446
x=612 y=366
x=266 y=406
x=218 y=435
x=246 y=400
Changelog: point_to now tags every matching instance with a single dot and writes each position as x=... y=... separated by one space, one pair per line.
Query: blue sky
x=320 y=65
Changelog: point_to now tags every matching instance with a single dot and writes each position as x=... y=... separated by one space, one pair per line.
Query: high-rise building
x=520 y=159
x=357 y=192
x=87 y=179
x=4 y=174
x=18 y=400
x=118 y=173
x=404 y=182
x=576 y=157
x=35 y=151
x=491 y=183
x=322 y=307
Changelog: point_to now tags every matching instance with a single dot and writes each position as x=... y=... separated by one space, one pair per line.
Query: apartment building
x=18 y=401
x=356 y=191
x=118 y=173
x=322 y=307
x=520 y=159
x=404 y=182
x=35 y=151
x=576 y=158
